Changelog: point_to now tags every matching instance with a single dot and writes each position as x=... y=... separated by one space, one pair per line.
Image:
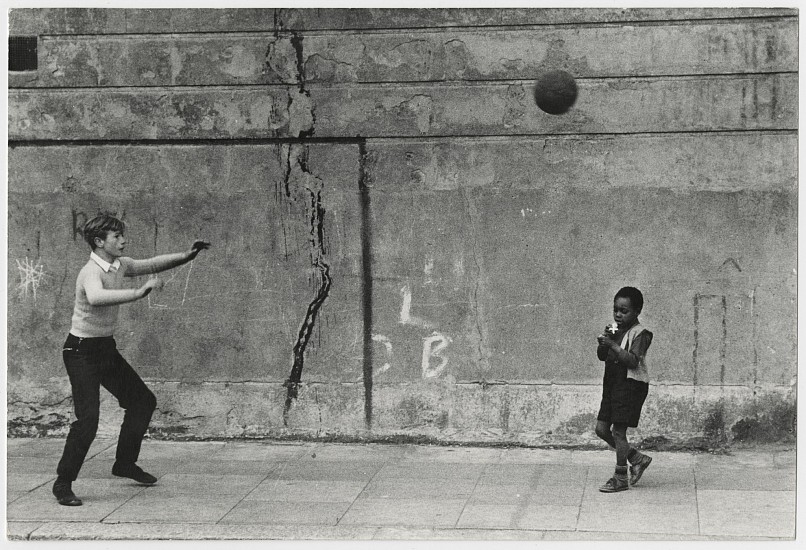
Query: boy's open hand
x=197 y=247
x=151 y=284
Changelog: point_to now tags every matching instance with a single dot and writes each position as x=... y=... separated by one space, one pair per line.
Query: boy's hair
x=634 y=295
x=99 y=226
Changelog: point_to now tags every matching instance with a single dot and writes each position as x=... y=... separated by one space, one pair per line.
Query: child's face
x=113 y=244
x=623 y=313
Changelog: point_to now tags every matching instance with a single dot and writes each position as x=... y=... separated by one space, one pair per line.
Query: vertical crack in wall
x=364 y=184
x=296 y=42
x=723 y=349
x=310 y=185
x=478 y=308
x=695 y=351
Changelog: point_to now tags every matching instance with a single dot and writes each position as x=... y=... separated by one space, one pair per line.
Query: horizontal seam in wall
x=313 y=86
x=437 y=28
x=13 y=143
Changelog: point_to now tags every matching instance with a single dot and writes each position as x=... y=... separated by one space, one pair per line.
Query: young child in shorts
x=623 y=347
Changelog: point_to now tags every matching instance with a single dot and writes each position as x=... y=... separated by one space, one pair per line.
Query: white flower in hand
x=612 y=328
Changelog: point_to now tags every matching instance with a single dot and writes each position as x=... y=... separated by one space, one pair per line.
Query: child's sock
x=621 y=472
x=633 y=455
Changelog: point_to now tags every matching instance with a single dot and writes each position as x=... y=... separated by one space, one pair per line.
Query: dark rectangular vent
x=22 y=53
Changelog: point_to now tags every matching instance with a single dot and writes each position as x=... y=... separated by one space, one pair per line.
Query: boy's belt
x=75 y=343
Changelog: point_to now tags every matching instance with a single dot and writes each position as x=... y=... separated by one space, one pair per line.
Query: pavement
x=257 y=490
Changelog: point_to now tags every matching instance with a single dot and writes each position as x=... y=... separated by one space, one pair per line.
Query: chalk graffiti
x=429 y=351
x=406 y=318
x=31 y=276
x=429 y=348
x=388 y=345
x=428 y=270
x=154 y=301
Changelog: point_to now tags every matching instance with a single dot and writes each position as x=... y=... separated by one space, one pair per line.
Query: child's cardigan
x=640 y=373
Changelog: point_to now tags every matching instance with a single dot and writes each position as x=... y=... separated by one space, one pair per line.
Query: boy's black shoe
x=63 y=491
x=133 y=471
x=615 y=484
x=637 y=469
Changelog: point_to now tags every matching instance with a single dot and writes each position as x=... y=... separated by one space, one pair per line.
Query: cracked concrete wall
x=404 y=244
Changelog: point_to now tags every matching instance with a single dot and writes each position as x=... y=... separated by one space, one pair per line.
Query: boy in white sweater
x=92 y=359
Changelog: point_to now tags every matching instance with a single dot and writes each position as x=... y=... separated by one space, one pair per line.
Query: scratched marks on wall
x=724 y=331
x=175 y=292
x=31 y=276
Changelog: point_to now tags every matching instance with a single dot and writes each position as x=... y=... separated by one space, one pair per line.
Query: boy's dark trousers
x=92 y=363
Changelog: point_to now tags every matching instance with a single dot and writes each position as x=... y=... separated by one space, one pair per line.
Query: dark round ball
x=555 y=92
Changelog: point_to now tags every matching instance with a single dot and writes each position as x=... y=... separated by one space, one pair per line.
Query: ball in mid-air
x=555 y=92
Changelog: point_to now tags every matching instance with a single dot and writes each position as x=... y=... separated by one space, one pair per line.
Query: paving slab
x=156 y=450
x=28 y=482
x=11 y=496
x=638 y=536
x=535 y=456
x=785 y=459
x=31 y=464
x=150 y=508
x=408 y=533
x=395 y=488
x=425 y=470
x=659 y=477
x=637 y=516
x=590 y=458
x=322 y=491
x=287 y=513
x=463 y=455
x=409 y=512
x=563 y=476
x=181 y=465
x=747 y=513
x=327 y=470
x=736 y=459
x=21 y=530
x=488 y=516
x=205 y=484
x=187 y=531
x=17 y=446
x=41 y=505
x=96 y=467
x=371 y=453
x=511 y=474
x=548 y=517
x=518 y=494
x=714 y=476
x=42 y=447
x=261 y=451
x=300 y=490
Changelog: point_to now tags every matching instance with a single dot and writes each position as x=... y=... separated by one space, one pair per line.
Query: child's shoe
x=63 y=491
x=616 y=483
x=133 y=471
x=637 y=469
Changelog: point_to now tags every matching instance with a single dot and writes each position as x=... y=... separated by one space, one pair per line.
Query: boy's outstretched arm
x=164 y=262
x=97 y=295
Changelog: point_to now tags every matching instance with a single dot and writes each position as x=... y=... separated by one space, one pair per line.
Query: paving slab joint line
x=696 y=499
x=285 y=463
x=358 y=496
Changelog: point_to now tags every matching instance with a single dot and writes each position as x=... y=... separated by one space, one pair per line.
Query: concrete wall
x=404 y=244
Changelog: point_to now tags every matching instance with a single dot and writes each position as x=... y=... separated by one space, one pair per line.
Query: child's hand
x=197 y=247
x=151 y=284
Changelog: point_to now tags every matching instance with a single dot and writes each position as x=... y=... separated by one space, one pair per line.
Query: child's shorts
x=622 y=401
